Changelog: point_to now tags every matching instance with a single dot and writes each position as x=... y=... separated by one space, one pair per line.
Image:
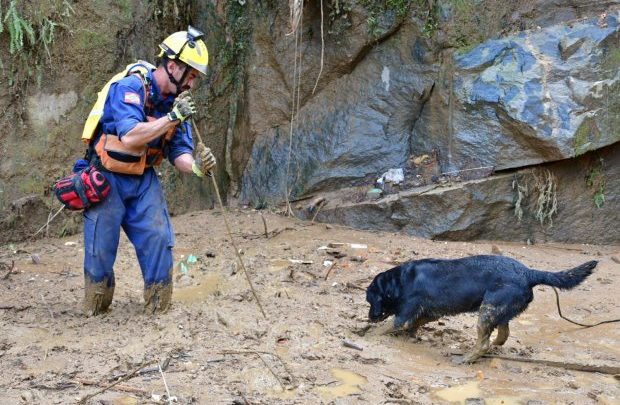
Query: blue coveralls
x=135 y=202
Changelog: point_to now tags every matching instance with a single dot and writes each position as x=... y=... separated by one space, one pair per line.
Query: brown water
x=349 y=383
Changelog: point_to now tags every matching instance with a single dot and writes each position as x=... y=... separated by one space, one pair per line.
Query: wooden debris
x=109 y=386
x=589 y=368
x=117 y=387
x=330 y=270
x=264 y=225
x=352 y=345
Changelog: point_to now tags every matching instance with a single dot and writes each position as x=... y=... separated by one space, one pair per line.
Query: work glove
x=182 y=108
x=205 y=161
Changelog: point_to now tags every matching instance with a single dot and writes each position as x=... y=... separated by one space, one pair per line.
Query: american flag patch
x=132 y=98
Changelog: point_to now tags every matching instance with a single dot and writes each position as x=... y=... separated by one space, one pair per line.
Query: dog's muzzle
x=375 y=319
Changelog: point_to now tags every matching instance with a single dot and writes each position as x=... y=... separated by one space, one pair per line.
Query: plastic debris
x=374 y=193
x=394 y=176
x=183 y=268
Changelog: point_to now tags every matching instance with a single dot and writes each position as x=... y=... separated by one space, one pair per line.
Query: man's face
x=192 y=79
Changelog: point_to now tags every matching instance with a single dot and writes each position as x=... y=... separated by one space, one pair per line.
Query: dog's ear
x=374 y=297
x=391 y=284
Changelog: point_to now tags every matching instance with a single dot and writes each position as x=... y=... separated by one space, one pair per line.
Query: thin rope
x=557 y=302
x=322 y=51
x=294 y=107
x=230 y=234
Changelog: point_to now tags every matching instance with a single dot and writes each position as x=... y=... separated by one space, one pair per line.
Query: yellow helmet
x=188 y=47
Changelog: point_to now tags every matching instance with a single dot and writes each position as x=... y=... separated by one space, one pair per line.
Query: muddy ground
x=219 y=349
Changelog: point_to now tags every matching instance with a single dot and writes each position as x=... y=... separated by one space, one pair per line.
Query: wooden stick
x=165 y=383
x=352 y=345
x=589 y=368
x=264 y=225
x=271 y=370
x=330 y=270
x=17 y=309
x=256 y=352
x=351 y=285
x=119 y=387
x=318 y=208
x=261 y=358
x=120 y=380
x=48 y=222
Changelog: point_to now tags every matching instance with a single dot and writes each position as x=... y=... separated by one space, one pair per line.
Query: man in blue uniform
x=144 y=120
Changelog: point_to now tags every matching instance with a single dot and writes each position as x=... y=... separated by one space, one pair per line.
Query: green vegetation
x=338 y=18
x=234 y=46
x=17 y=26
x=611 y=60
x=31 y=30
x=587 y=133
x=381 y=14
x=539 y=190
x=595 y=180
x=545 y=184
x=522 y=193
x=125 y=7
x=88 y=40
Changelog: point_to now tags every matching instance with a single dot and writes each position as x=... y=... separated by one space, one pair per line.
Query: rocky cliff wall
x=444 y=90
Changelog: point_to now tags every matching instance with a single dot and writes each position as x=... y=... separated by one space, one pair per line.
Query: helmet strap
x=178 y=84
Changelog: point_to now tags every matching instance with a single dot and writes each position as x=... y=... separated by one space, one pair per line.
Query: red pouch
x=82 y=189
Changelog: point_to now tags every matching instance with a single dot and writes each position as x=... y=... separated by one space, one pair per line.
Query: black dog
x=498 y=287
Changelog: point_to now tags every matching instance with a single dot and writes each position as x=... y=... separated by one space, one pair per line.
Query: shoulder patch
x=131 y=98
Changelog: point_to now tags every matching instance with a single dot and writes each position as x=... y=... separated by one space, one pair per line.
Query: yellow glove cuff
x=197 y=170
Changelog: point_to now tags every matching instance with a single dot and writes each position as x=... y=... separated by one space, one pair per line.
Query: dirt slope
x=222 y=351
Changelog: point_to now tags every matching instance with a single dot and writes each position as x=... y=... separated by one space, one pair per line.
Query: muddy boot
x=157 y=298
x=97 y=297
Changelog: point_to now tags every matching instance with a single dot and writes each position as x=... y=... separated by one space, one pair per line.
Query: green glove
x=205 y=161
x=182 y=108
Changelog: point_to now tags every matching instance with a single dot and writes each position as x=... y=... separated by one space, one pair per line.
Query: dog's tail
x=562 y=279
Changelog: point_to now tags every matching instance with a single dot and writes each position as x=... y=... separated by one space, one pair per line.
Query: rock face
x=532 y=97
x=509 y=206
x=537 y=96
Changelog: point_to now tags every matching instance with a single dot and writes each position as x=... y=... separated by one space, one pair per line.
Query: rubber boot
x=157 y=298
x=97 y=296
